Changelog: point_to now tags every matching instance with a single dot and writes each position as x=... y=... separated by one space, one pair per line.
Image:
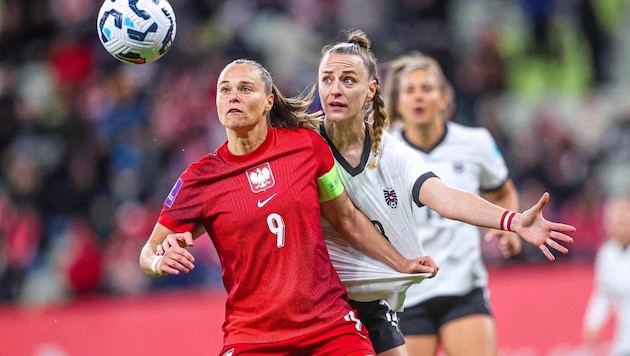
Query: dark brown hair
x=290 y=112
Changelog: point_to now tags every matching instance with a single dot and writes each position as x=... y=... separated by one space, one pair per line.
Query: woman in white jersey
x=452 y=310
x=611 y=292
x=385 y=179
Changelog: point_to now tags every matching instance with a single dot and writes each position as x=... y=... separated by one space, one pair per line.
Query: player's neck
x=426 y=136
x=240 y=143
x=345 y=134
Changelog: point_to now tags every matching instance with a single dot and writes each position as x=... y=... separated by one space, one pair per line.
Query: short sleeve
x=494 y=171
x=183 y=206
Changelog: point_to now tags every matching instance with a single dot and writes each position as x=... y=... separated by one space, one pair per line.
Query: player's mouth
x=336 y=105
x=419 y=111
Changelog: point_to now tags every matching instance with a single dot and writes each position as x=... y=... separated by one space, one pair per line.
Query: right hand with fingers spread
x=535 y=229
x=175 y=256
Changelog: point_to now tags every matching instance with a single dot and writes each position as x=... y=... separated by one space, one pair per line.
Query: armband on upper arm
x=329 y=185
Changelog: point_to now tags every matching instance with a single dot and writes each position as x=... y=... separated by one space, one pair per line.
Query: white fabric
x=611 y=293
x=398 y=168
x=466 y=158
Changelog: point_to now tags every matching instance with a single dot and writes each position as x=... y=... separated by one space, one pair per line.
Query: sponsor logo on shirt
x=170 y=199
x=391 y=199
x=260 y=178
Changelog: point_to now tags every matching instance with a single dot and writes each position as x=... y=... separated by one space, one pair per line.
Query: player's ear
x=372 y=90
x=270 y=100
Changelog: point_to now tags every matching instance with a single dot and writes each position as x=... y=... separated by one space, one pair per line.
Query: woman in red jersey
x=260 y=197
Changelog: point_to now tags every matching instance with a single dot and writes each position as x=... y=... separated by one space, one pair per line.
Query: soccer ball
x=136 y=31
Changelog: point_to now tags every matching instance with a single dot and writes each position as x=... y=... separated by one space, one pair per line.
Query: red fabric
x=262 y=212
x=345 y=338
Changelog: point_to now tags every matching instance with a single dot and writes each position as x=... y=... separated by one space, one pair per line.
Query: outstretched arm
x=362 y=235
x=465 y=206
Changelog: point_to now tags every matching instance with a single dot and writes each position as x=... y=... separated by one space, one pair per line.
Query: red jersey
x=262 y=212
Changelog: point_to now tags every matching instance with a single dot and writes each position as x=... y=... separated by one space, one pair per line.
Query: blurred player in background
x=258 y=196
x=385 y=179
x=453 y=309
x=612 y=279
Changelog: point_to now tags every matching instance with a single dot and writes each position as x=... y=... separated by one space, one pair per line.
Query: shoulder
x=476 y=139
x=395 y=130
x=206 y=164
x=394 y=140
x=469 y=133
x=394 y=150
x=607 y=250
x=298 y=134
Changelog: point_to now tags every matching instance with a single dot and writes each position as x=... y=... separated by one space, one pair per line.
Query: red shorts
x=348 y=337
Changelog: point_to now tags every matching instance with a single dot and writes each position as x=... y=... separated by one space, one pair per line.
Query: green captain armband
x=330 y=185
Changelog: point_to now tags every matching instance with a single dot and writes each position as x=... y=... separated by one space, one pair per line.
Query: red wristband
x=506 y=220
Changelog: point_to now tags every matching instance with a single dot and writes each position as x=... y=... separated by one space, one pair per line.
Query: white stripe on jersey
x=466 y=158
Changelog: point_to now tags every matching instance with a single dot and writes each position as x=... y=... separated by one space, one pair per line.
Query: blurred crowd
x=89 y=146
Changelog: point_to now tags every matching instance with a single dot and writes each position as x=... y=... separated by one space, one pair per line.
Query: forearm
x=361 y=233
x=148 y=253
x=363 y=236
x=147 y=256
x=468 y=207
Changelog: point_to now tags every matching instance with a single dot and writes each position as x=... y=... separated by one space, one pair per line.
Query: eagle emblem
x=260 y=178
x=391 y=199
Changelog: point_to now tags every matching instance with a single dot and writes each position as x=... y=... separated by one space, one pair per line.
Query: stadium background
x=89 y=148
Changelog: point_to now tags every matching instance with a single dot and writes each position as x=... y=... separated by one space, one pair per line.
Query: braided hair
x=359 y=45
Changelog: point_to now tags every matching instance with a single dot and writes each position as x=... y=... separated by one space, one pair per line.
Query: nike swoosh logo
x=264 y=202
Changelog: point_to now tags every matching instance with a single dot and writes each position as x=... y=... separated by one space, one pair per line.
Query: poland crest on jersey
x=260 y=178
x=390 y=197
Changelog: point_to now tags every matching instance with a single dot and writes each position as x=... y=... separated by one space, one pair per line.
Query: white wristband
x=154 y=265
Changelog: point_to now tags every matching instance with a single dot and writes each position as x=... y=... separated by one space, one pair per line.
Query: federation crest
x=391 y=199
x=260 y=178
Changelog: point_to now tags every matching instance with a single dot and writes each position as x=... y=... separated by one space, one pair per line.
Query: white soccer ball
x=136 y=31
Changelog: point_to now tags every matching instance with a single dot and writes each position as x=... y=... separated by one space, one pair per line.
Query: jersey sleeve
x=183 y=206
x=329 y=183
x=494 y=171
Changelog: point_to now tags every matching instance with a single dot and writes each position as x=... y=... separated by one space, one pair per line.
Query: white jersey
x=611 y=293
x=385 y=194
x=465 y=158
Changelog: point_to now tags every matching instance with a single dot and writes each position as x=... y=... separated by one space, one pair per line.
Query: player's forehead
x=415 y=75
x=240 y=73
x=335 y=63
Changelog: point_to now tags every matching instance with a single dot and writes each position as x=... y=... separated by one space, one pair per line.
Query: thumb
x=492 y=234
x=186 y=238
x=544 y=199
